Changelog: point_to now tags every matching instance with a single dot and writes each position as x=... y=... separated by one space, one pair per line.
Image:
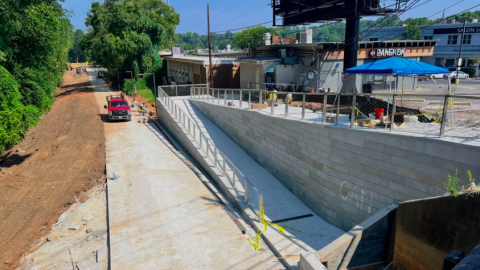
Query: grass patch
x=146 y=93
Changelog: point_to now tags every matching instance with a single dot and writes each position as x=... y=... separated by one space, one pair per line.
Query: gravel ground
x=83 y=248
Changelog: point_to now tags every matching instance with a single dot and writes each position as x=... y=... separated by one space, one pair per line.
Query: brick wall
x=344 y=175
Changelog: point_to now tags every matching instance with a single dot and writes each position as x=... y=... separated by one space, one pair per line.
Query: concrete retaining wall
x=344 y=175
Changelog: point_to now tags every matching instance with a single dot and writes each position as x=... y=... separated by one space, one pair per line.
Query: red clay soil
x=62 y=156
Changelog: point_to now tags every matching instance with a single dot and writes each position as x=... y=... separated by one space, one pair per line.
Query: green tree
x=412 y=29
x=120 y=32
x=75 y=54
x=252 y=36
x=34 y=42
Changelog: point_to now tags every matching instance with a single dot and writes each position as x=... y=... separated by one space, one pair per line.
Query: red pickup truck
x=118 y=108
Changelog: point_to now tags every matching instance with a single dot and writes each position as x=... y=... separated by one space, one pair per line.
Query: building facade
x=186 y=69
x=318 y=67
x=448 y=35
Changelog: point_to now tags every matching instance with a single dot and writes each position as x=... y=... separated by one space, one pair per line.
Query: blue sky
x=234 y=14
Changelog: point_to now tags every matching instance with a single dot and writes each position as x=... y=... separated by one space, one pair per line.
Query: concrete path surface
x=161 y=216
x=313 y=232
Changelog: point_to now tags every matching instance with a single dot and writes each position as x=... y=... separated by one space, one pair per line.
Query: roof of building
x=259 y=60
x=202 y=59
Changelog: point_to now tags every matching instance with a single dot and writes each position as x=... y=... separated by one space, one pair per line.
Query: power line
x=435 y=22
x=198 y=14
x=296 y=14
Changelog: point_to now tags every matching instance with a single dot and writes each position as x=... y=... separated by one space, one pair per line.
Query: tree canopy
x=34 y=43
x=76 y=55
x=120 y=32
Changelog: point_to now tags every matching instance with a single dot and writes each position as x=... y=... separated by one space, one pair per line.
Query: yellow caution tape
x=254 y=241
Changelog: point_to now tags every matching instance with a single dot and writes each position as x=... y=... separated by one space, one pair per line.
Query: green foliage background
x=35 y=37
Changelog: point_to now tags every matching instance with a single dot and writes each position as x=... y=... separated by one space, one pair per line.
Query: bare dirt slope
x=63 y=155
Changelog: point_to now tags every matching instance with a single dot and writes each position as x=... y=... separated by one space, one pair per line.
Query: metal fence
x=427 y=114
x=179 y=90
x=241 y=186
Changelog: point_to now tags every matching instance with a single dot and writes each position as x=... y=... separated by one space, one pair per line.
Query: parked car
x=461 y=75
x=438 y=76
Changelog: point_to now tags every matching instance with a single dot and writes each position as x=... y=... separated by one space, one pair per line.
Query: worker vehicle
x=118 y=108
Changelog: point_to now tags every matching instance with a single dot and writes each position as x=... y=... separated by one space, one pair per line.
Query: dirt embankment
x=62 y=156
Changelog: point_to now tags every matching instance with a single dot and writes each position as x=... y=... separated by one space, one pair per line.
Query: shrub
x=469 y=71
x=128 y=87
x=451 y=185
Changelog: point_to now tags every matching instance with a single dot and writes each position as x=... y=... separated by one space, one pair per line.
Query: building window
x=428 y=37
x=467 y=39
x=452 y=39
x=374 y=39
x=449 y=62
x=439 y=62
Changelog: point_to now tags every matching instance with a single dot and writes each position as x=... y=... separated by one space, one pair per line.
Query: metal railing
x=227 y=169
x=411 y=112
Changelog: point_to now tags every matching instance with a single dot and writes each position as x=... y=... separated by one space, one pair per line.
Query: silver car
x=458 y=75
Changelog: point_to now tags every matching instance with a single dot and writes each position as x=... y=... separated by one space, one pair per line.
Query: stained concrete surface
x=161 y=216
x=309 y=234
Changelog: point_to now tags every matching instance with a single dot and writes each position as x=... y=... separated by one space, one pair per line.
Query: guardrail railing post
x=444 y=117
x=394 y=108
x=352 y=113
x=224 y=167
x=234 y=170
x=207 y=147
x=194 y=133
x=272 y=103
x=176 y=90
x=201 y=144
x=218 y=96
x=232 y=97
x=215 y=156
x=260 y=96
x=189 y=131
x=241 y=98
x=246 y=191
x=337 y=117
x=286 y=107
x=303 y=106
x=324 y=109
x=249 y=99
x=225 y=97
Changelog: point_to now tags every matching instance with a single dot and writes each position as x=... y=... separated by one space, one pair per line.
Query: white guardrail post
x=241 y=98
x=225 y=97
x=324 y=109
x=246 y=191
x=260 y=96
x=249 y=99
x=353 y=112
x=224 y=167
x=303 y=106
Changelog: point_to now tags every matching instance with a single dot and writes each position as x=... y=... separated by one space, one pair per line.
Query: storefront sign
x=386 y=52
x=468 y=30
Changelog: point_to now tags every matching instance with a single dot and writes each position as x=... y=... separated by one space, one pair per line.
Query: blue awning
x=272 y=69
x=397 y=66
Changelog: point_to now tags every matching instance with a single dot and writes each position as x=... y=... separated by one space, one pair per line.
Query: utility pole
x=210 y=75
x=459 y=63
x=351 y=35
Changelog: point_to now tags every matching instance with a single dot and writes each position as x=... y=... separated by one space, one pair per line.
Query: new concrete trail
x=307 y=230
x=161 y=216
